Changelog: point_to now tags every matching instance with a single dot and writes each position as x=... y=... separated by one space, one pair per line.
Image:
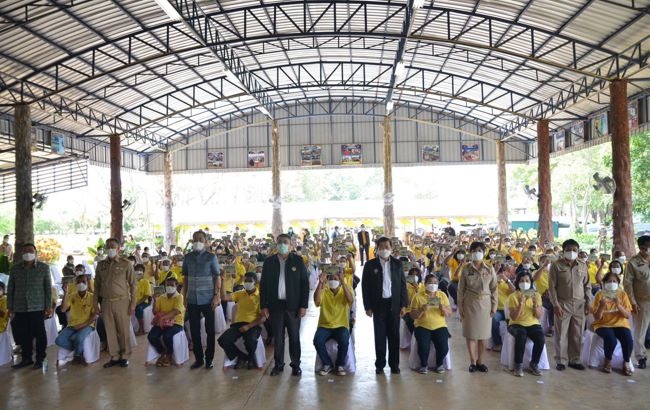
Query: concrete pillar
x=169 y=237
x=276 y=200
x=545 y=200
x=389 y=211
x=24 y=208
x=116 y=188
x=622 y=205
x=503 y=191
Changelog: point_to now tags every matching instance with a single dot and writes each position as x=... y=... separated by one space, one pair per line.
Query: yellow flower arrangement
x=48 y=250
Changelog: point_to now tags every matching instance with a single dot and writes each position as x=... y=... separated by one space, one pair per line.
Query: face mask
x=548 y=266
x=29 y=257
x=460 y=256
x=524 y=285
x=249 y=286
x=583 y=260
x=611 y=286
x=447 y=253
x=79 y=273
x=519 y=249
x=526 y=266
x=432 y=287
x=81 y=287
x=165 y=268
x=170 y=290
x=333 y=284
x=412 y=279
x=570 y=255
x=492 y=255
x=198 y=246
x=477 y=256
x=139 y=274
x=179 y=263
x=384 y=253
x=112 y=253
x=145 y=260
x=622 y=259
x=283 y=249
x=71 y=262
x=100 y=252
x=616 y=270
x=343 y=265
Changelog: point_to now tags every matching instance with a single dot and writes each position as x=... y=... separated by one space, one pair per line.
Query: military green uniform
x=637 y=286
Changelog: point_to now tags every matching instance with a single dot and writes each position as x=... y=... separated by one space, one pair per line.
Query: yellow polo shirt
x=433 y=318
x=334 y=309
x=611 y=316
x=165 y=304
x=517 y=256
x=248 y=306
x=542 y=283
x=411 y=290
x=503 y=290
x=81 y=308
x=453 y=265
x=592 y=269
x=526 y=317
x=143 y=288
x=4 y=319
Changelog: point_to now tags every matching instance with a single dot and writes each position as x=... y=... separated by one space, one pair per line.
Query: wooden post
x=24 y=208
x=276 y=200
x=503 y=192
x=545 y=201
x=116 y=189
x=623 y=223
x=167 y=183
x=389 y=211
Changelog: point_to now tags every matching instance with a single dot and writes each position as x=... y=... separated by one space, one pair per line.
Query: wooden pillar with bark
x=623 y=223
x=545 y=199
x=169 y=237
x=276 y=200
x=117 y=229
x=503 y=191
x=389 y=211
x=24 y=207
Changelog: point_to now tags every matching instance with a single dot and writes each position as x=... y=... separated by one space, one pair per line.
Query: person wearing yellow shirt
x=165 y=271
x=143 y=294
x=505 y=287
x=455 y=263
x=176 y=267
x=246 y=323
x=540 y=278
x=169 y=311
x=413 y=287
x=82 y=317
x=612 y=310
x=517 y=253
x=429 y=309
x=525 y=306
x=334 y=297
x=4 y=312
x=348 y=269
x=249 y=266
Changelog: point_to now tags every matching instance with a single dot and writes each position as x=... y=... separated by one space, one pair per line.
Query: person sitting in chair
x=82 y=317
x=169 y=311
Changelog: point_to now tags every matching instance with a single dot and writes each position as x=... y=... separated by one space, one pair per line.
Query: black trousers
x=28 y=326
x=195 y=312
x=229 y=337
x=280 y=319
x=409 y=322
x=364 y=250
x=386 y=324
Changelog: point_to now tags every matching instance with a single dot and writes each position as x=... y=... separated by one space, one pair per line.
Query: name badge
x=293 y=268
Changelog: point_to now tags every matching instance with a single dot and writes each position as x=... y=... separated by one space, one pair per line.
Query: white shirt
x=386 y=285
x=282 y=284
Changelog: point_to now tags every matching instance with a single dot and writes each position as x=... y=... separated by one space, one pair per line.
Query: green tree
x=640 y=162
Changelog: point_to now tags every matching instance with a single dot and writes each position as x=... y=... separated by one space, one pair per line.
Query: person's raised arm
x=349 y=294
x=319 y=289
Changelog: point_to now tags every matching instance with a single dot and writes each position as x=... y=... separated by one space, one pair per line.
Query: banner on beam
x=256 y=159
x=58 y=144
x=601 y=127
x=215 y=160
x=470 y=152
x=310 y=155
x=351 y=154
x=558 y=137
x=633 y=114
x=430 y=153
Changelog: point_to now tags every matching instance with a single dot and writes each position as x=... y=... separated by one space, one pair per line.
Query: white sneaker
x=325 y=370
x=341 y=371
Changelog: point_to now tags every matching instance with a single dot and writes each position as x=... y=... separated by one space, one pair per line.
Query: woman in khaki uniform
x=477 y=304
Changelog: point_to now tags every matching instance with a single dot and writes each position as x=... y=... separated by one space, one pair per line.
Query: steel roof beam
x=407 y=24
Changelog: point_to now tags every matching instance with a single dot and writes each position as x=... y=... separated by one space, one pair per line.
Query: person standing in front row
x=385 y=298
x=201 y=295
x=364 y=244
x=115 y=290
x=569 y=291
x=637 y=286
x=284 y=297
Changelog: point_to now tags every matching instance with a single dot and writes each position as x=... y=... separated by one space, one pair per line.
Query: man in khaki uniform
x=637 y=286
x=569 y=290
x=115 y=289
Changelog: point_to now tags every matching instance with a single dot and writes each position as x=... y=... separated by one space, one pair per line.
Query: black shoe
x=642 y=363
x=209 y=365
x=481 y=368
x=276 y=371
x=23 y=363
x=37 y=365
x=124 y=363
x=472 y=368
x=379 y=371
x=560 y=367
x=577 y=366
x=296 y=371
x=111 y=363
x=251 y=365
x=197 y=364
x=395 y=371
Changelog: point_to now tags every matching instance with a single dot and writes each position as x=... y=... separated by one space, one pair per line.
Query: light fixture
x=169 y=10
x=418 y=4
x=399 y=69
x=389 y=106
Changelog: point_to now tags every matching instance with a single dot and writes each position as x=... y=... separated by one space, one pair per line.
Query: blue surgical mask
x=283 y=248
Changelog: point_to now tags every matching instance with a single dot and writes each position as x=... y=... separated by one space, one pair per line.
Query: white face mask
x=524 y=286
x=616 y=270
x=622 y=259
x=100 y=252
x=145 y=260
x=492 y=256
x=412 y=279
x=343 y=265
x=611 y=286
x=333 y=284
x=79 y=273
x=81 y=287
x=477 y=256
x=384 y=253
x=165 y=268
x=170 y=290
x=29 y=257
x=249 y=286
x=111 y=252
x=432 y=287
x=570 y=255
x=519 y=249
x=139 y=274
x=526 y=266
x=198 y=246
x=460 y=256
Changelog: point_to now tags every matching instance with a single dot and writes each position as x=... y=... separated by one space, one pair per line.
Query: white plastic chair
x=51 y=330
x=404 y=336
x=220 y=324
x=6 y=350
x=508 y=353
x=90 y=350
x=414 y=357
x=147 y=317
x=132 y=338
x=332 y=351
x=546 y=326
x=260 y=354
x=593 y=352
x=181 y=350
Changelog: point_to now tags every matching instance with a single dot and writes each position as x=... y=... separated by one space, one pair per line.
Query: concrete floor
x=92 y=387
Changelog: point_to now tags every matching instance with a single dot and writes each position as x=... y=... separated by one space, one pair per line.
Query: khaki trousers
x=568 y=332
x=641 y=322
x=118 y=326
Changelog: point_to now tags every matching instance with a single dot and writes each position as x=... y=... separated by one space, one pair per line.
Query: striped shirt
x=29 y=290
x=199 y=270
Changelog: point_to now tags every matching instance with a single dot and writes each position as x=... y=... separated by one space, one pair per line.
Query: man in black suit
x=364 y=244
x=384 y=299
x=284 y=295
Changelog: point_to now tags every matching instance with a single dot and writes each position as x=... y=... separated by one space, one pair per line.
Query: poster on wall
x=310 y=155
x=256 y=159
x=215 y=160
x=430 y=153
x=351 y=154
x=58 y=144
x=633 y=114
x=470 y=152
x=600 y=125
x=577 y=132
x=558 y=137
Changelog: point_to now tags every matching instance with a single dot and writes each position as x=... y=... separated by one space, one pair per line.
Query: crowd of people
x=538 y=290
